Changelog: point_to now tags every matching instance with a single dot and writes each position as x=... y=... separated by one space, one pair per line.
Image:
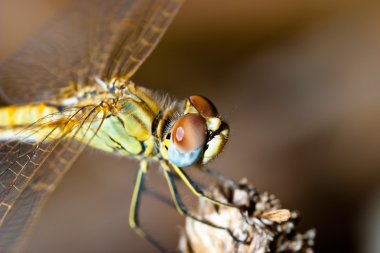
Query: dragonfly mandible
x=70 y=87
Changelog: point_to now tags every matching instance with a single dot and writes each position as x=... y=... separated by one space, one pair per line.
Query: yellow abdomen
x=14 y=118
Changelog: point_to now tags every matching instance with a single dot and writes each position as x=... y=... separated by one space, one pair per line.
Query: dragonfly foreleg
x=218 y=175
x=195 y=188
x=158 y=196
x=183 y=210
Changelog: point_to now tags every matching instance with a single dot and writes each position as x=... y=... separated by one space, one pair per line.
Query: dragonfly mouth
x=216 y=140
x=211 y=134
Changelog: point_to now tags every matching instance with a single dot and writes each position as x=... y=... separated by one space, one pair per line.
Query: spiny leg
x=183 y=210
x=158 y=196
x=218 y=175
x=134 y=208
x=195 y=188
x=161 y=197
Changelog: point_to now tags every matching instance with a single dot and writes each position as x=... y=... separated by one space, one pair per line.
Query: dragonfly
x=69 y=87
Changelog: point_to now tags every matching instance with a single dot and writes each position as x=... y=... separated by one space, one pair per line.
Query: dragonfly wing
x=29 y=172
x=131 y=51
x=92 y=39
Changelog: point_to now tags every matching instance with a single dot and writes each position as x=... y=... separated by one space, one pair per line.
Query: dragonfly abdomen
x=14 y=118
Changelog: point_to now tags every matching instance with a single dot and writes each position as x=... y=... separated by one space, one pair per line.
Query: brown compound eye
x=189 y=132
x=203 y=106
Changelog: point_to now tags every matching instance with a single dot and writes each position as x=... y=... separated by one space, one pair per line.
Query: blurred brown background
x=298 y=81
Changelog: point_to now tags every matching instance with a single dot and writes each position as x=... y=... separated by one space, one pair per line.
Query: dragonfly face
x=196 y=137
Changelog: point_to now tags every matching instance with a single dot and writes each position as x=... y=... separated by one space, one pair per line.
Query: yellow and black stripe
x=14 y=118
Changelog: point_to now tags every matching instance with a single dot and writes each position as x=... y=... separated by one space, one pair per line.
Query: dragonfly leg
x=195 y=188
x=218 y=175
x=183 y=210
x=158 y=196
x=222 y=177
x=134 y=208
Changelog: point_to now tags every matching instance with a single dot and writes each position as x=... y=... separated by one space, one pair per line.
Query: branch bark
x=269 y=227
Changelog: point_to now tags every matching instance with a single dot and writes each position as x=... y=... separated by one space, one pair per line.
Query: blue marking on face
x=183 y=159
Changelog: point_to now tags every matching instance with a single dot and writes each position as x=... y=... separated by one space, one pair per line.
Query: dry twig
x=270 y=228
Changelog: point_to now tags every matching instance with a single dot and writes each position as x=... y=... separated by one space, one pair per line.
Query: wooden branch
x=269 y=228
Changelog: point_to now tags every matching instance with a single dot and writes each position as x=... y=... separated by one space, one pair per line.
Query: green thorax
x=130 y=129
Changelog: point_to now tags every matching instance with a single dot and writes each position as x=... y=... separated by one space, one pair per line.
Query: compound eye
x=203 y=106
x=189 y=133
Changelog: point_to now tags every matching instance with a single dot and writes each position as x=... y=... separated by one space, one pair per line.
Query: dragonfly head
x=198 y=136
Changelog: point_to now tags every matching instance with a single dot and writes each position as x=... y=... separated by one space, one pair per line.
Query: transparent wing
x=93 y=38
x=29 y=172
